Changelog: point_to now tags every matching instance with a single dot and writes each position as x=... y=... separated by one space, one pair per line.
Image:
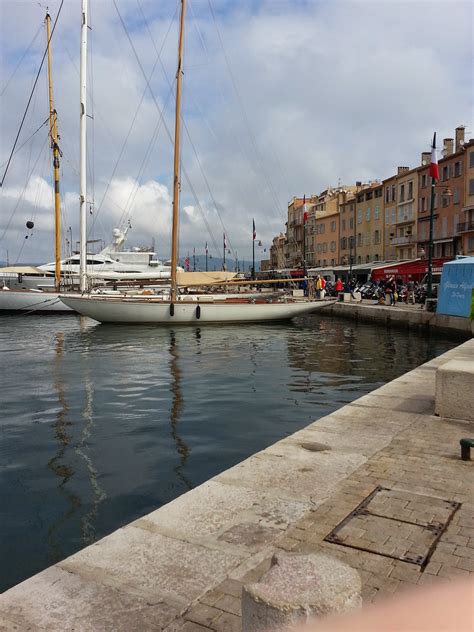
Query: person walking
x=339 y=287
x=318 y=286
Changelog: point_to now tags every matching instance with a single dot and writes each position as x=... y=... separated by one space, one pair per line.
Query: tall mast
x=176 y=182
x=53 y=132
x=82 y=163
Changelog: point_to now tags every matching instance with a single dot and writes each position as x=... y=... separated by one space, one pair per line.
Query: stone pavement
x=384 y=466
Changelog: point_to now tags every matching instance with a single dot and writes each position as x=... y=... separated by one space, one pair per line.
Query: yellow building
x=369 y=223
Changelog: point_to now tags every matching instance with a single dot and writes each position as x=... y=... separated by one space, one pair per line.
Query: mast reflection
x=176 y=409
x=56 y=464
x=88 y=528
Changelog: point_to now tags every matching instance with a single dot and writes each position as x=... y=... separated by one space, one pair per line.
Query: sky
x=280 y=98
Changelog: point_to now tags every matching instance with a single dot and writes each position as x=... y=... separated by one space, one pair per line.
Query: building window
x=360 y=198
x=359 y=216
x=422 y=204
x=333 y=246
x=333 y=227
x=325 y=247
x=359 y=239
x=456 y=196
x=423 y=180
x=394 y=196
x=402 y=193
x=394 y=215
x=444 y=173
x=343 y=243
x=343 y=224
x=376 y=212
x=376 y=237
x=410 y=190
x=351 y=222
x=471 y=182
x=471 y=159
x=444 y=201
x=457 y=169
x=387 y=195
x=367 y=214
x=435 y=200
x=378 y=193
x=369 y=195
x=387 y=216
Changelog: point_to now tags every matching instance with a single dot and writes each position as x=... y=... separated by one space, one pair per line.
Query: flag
x=305 y=210
x=207 y=249
x=254 y=231
x=225 y=242
x=434 y=171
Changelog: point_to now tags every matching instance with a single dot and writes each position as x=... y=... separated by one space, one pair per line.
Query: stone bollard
x=298 y=587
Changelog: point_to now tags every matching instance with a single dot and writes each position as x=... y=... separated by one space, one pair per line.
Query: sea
x=101 y=424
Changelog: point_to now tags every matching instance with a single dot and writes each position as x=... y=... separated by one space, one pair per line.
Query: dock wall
x=407 y=317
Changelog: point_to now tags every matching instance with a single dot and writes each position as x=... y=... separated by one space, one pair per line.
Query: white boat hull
x=31 y=301
x=159 y=312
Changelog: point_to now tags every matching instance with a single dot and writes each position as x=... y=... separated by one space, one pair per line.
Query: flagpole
x=224 y=244
x=206 y=257
x=194 y=259
x=253 y=252
x=304 y=234
x=433 y=171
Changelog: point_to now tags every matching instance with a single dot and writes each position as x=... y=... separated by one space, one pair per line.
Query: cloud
x=307 y=94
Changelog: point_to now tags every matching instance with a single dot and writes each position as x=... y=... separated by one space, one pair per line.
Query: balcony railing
x=465 y=227
x=401 y=241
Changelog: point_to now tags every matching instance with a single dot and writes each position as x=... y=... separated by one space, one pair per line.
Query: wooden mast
x=53 y=132
x=176 y=182
x=83 y=154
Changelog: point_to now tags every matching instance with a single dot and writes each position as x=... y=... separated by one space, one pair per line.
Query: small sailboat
x=175 y=308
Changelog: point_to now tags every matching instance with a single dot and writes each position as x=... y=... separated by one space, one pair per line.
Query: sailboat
x=37 y=300
x=174 y=308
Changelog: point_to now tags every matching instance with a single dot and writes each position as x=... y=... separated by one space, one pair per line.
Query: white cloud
x=331 y=90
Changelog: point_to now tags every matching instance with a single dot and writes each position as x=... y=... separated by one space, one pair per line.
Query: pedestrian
x=339 y=287
x=410 y=292
x=390 y=291
x=323 y=287
x=318 y=286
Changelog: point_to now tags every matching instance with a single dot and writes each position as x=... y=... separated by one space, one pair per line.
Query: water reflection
x=88 y=529
x=177 y=407
x=57 y=464
x=141 y=414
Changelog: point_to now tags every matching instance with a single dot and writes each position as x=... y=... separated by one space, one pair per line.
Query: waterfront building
x=277 y=252
x=400 y=216
x=466 y=225
x=293 y=249
x=347 y=240
x=369 y=223
x=323 y=227
x=448 y=202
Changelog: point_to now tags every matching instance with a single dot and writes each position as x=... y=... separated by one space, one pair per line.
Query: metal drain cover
x=397 y=524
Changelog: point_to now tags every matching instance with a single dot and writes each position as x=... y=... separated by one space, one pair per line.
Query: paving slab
x=213 y=508
x=58 y=600
x=152 y=565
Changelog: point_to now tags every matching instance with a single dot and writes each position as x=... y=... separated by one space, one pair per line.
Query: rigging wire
x=122 y=149
x=211 y=234
x=158 y=108
x=244 y=114
x=28 y=139
x=35 y=37
x=7 y=227
x=31 y=94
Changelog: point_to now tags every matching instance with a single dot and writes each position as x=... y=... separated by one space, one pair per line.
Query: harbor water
x=103 y=424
